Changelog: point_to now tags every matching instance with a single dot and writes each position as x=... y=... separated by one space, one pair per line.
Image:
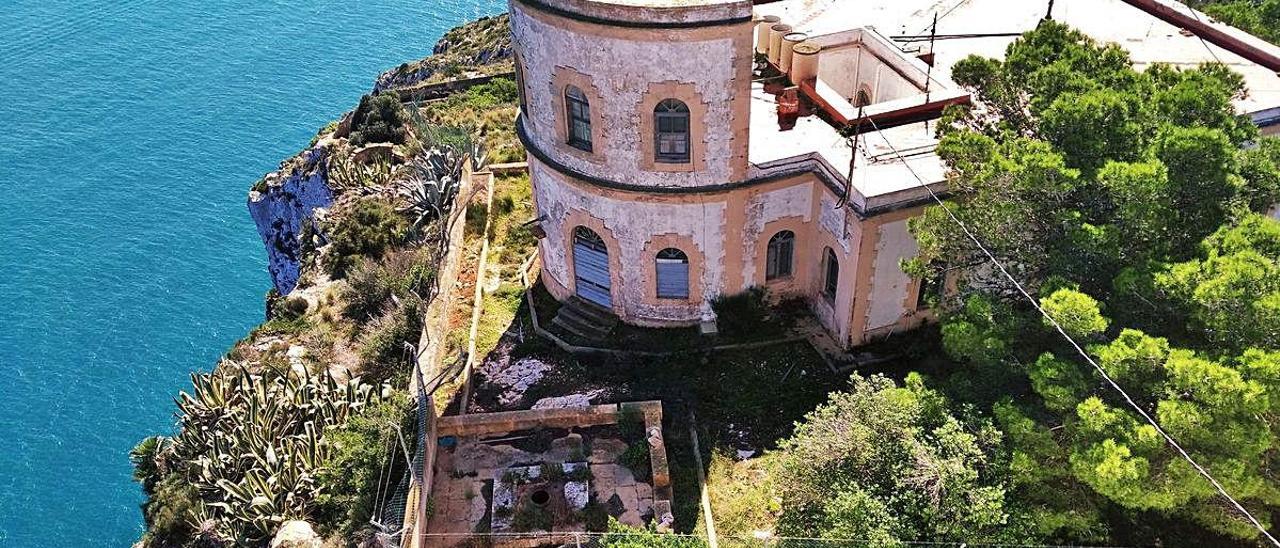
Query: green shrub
x=368 y=228
x=552 y=471
x=742 y=313
x=168 y=510
x=371 y=284
x=291 y=308
x=281 y=326
x=494 y=93
x=350 y=482
x=327 y=129
x=382 y=352
x=379 y=118
x=530 y=517
x=594 y=516
x=636 y=459
x=626 y=536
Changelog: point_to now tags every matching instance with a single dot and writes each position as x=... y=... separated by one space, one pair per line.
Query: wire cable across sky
x=1174 y=443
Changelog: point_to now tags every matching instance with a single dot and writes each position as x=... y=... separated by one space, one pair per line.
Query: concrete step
x=570 y=327
x=582 y=324
x=592 y=311
x=586 y=321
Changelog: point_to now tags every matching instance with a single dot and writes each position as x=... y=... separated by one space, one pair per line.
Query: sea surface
x=130 y=131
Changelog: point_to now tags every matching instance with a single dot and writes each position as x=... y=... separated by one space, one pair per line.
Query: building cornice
x=799 y=168
x=626 y=23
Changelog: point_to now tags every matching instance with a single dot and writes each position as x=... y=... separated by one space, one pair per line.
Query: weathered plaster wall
x=889 y=284
x=632 y=223
x=885 y=83
x=621 y=65
x=838 y=229
x=766 y=208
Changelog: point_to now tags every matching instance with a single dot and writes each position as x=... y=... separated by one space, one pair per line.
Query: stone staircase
x=584 y=321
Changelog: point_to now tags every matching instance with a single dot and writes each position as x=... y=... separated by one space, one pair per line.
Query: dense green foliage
x=1230 y=294
x=372 y=285
x=1260 y=18
x=379 y=118
x=383 y=354
x=366 y=228
x=360 y=450
x=891 y=464
x=625 y=536
x=1129 y=203
x=488 y=110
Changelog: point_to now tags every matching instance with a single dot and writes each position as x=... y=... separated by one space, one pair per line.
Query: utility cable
x=1074 y=344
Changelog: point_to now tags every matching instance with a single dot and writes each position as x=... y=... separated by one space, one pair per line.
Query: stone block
x=606 y=450
x=643 y=490
x=632 y=518
x=622 y=476
x=568 y=448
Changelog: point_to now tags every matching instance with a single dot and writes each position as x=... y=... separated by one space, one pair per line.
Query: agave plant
x=252 y=444
x=432 y=184
x=345 y=173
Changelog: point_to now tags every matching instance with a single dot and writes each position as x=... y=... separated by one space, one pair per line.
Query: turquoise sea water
x=130 y=132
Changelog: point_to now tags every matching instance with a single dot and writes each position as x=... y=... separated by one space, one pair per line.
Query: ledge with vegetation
x=288 y=436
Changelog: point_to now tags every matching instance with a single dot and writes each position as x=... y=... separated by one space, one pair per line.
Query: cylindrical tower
x=632 y=112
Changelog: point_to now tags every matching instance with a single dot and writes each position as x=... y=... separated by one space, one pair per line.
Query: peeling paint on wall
x=707 y=64
x=633 y=224
x=889 y=283
x=766 y=207
x=832 y=220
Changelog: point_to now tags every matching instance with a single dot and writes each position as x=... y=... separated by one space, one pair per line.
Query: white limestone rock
x=571 y=401
x=291 y=197
x=296 y=534
x=576 y=494
x=517 y=378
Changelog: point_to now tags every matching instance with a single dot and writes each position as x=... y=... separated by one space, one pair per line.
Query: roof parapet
x=1169 y=12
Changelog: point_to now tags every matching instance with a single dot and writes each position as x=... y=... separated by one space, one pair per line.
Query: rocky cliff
x=287 y=204
x=283 y=205
x=477 y=48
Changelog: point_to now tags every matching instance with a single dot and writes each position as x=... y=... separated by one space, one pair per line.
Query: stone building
x=685 y=149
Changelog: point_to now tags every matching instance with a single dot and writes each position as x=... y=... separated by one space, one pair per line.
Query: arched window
x=831 y=280
x=579 y=114
x=781 y=248
x=671 y=132
x=589 y=238
x=673 y=274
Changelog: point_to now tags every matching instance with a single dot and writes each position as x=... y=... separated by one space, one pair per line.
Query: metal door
x=591 y=267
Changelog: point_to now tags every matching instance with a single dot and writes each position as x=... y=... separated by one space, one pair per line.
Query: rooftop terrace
x=1148 y=39
x=863 y=81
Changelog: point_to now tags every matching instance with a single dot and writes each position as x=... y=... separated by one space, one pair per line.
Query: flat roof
x=880 y=179
x=1147 y=39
